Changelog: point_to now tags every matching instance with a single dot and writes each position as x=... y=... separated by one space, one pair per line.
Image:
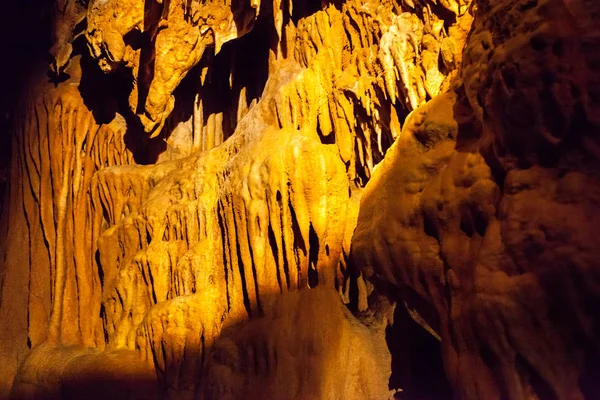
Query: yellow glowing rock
x=262 y=123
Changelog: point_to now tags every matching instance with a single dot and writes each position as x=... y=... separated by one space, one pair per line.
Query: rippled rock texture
x=305 y=200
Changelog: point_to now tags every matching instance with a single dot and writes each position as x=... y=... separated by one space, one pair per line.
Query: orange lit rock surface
x=242 y=199
x=486 y=207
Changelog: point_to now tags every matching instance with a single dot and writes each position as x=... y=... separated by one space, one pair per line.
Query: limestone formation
x=486 y=206
x=305 y=200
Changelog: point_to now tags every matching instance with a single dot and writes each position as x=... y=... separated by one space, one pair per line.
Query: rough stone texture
x=347 y=359
x=49 y=293
x=486 y=207
x=182 y=206
x=257 y=165
x=176 y=34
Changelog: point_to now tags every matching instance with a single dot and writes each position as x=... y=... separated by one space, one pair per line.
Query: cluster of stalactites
x=339 y=95
x=368 y=65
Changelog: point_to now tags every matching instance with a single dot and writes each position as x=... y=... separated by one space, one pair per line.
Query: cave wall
x=231 y=199
x=489 y=200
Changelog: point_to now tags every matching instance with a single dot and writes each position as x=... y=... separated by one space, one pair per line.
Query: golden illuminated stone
x=197 y=206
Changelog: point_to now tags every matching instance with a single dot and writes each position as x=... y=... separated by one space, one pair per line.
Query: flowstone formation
x=304 y=200
x=485 y=208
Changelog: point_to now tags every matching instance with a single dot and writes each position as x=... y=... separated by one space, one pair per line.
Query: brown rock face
x=486 y=205
x=305 y=200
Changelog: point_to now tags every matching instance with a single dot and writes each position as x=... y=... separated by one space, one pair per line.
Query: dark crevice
x=99 y=265
x=136 y=39
x=429 y=227
x=362 y=173
x=540 y=387
x=496 y=168
x=275 y=252
x=417 y=366
x=466 y=227
x=352 y=292
x=488 y=357
x=528 y=4
x=103 y=319
x=97 y=89
x=313 y=258
x=298 y=242
x=254 y=273
x=147 y=54
x=302 y=9
x=245 y=294
x=385 y=118
x=151 y=282
x=329 y=139
x=148 y=237
x=286 y=267
x=480 y=223
x=224 y=245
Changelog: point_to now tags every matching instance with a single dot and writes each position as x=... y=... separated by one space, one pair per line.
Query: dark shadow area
x=589 y=380
x=148 y=51
x=304 y=8
x=470 y=133
x=145 y=150
x=95 y=386
x=248 y=354
x=107 y=94
x=98 y=387
x=579 y=328
x=98 y=89
x=242 y=64
x=417 y=366
x=24 y=41
x=313 y=257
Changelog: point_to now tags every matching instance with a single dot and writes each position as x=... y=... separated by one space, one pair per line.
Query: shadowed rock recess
x=305 y=199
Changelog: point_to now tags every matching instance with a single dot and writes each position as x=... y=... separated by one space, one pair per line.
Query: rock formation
x=485 y=207
x=305 y=200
